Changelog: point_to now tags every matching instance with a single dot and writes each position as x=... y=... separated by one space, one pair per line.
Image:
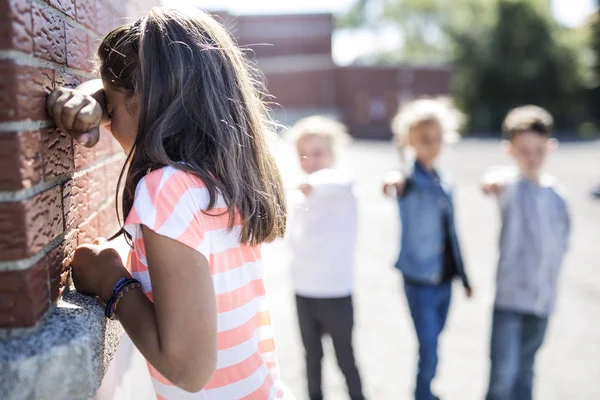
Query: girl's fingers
x=70 y=111
x=90 y=138
x=57 y=108
x=51 y=100
x=87 y=120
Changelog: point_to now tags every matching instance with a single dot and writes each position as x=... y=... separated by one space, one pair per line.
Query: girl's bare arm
x=177 y=333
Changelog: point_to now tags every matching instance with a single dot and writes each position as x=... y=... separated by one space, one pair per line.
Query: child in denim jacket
x=430 y=255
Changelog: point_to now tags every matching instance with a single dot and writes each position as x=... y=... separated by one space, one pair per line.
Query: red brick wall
x=283 y=35
x=53 y=194
x=368 y=97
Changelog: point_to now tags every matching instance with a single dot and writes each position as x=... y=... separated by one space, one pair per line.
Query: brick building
x=53 y=195
x=294 y=54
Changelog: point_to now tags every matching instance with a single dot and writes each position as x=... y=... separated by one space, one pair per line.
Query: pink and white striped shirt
x=172 y=202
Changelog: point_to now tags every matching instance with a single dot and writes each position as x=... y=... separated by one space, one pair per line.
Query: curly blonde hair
x=439 y=111
x=335 y=132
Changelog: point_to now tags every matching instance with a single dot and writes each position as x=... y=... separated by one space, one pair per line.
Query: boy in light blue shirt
x=533 y=240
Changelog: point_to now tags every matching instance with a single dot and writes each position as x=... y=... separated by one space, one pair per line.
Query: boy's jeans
x=516 y=337
x=429 y=309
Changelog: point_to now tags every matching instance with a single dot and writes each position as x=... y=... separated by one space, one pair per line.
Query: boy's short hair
x=528 y=118
x=317 y=125
x=438 y=111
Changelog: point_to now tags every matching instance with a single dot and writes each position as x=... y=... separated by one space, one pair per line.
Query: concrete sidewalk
x=568 y=366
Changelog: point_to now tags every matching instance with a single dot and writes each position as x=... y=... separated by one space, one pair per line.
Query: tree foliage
x=504 y=53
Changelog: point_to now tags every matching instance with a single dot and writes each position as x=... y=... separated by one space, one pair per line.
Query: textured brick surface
x=80 y=208
x=23 y=296
x=24 y=171
x=57 y=153
x=67 y=80
x=78 y=47
x=65 y=6
x=87 y=13
x=27 y=226
x=48 y=34
x=25 y=96
x=16 y=25
x=43 y=219
x=57 y=273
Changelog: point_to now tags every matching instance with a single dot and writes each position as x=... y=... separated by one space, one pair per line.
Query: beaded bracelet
x=122 y=286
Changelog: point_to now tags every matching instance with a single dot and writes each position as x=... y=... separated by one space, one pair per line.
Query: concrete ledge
x=65 y=358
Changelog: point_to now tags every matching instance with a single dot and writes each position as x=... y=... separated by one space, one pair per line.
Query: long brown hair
x=199 y=111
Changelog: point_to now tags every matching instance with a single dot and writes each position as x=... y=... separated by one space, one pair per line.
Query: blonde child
x=533 y=241
x=430 y=255
x=322 y=237
x=201 y=193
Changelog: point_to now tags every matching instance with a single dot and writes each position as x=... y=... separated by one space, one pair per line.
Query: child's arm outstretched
x=394 y=184
x=181 y=347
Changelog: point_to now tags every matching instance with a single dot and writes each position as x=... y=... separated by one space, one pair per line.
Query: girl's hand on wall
x=96 y=269
x=76 y=114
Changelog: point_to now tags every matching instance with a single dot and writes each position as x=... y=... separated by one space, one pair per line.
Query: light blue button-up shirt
x=533 y=240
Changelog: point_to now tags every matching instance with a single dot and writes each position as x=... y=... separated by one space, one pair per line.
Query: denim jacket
x=422 y=206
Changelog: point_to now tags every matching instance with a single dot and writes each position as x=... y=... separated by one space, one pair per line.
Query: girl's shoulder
x=169 y=174
x=171 y=185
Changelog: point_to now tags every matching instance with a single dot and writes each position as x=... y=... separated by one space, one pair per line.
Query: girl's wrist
x=109 y=283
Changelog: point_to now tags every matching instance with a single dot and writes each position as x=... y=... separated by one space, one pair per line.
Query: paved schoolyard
x=568 y=366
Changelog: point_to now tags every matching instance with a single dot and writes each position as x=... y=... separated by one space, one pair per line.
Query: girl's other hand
x=394 y=184
x=96 y=269
x=77 y=114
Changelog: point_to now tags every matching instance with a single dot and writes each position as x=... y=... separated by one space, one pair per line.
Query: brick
x=49 y=40
x=104 y=146
x=43 y=219
x=57 y=150
x=20 y=160
x=24 y=296
x=76 y=204
x=84 y=156
x=65 y=6
x=64 y=79
x=88 y=231
x=23 y=95
x=13 y=238
x=86 y=12
x=57 y=273
x=77 y=47
x=96 y=184
x=16 y=28
x=26 y=227
x=107 y=220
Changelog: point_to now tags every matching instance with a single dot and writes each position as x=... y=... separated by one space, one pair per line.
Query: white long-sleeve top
x=322 y=235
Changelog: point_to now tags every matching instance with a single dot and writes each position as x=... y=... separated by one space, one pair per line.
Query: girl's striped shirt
x=174 y=203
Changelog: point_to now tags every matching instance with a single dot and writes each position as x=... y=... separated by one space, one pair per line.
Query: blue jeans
x=516 y=338
x=429 y=310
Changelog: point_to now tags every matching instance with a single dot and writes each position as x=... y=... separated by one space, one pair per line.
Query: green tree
x=504 y=53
